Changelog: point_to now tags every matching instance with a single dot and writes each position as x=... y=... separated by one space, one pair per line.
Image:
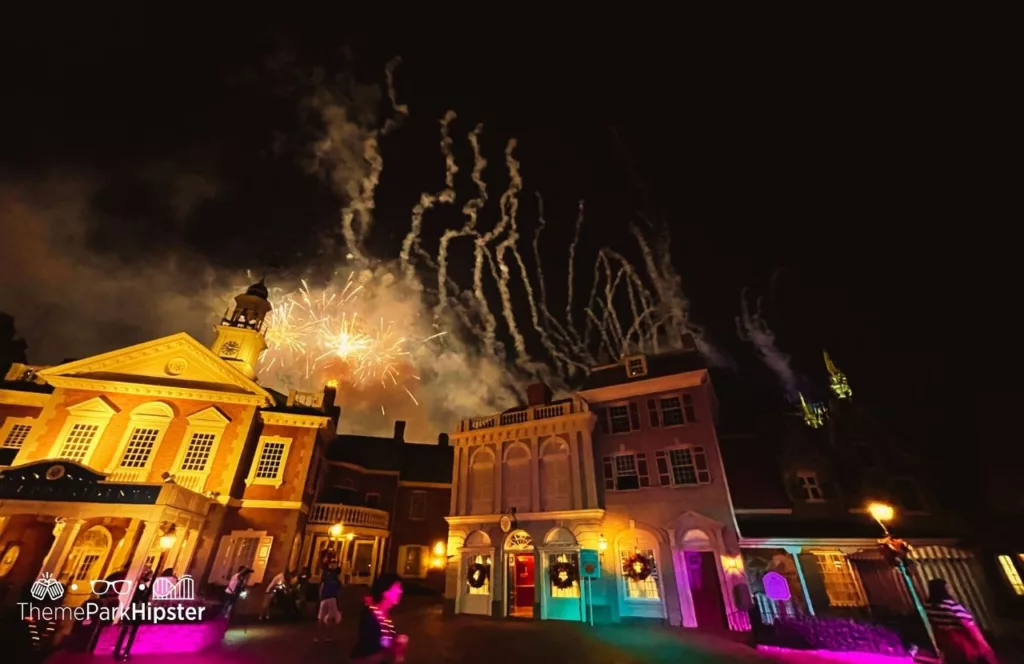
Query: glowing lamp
x=168 y=539
x=437 y=563
x=602 y=544
x=439 y=549
x=332 y=383
x=335 y=531
x=351 y=536
x=732 y=564
x=881 y=512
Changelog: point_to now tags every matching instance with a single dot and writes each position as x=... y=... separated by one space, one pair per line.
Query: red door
x=524 y=582
x=705 y=589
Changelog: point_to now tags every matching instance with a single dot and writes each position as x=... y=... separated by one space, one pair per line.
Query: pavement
x=436 y=640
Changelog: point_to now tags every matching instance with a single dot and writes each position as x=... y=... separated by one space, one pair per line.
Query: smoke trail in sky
x=754 y=329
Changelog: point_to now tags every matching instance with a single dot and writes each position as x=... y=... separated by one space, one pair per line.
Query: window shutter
x=700 y=461
x=641 y=469
x=660 y=458
x=602 y=419
x=609 y=473
x=634 y=417
x=259 y=563
x=219 y=575
x=652 y=413
x=425 y=555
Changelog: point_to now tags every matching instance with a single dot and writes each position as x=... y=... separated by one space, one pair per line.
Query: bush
x=835 y=634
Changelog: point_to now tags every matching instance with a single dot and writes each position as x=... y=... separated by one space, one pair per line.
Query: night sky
x=844 y=181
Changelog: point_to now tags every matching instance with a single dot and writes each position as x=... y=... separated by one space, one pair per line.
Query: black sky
x=848 y=180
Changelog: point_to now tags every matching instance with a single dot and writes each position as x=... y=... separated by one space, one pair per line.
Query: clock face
x=229 y=348
x=505 y=523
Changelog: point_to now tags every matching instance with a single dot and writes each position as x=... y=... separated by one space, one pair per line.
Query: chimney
x=442 y=439
x=538 y=394
x=400 y=430
x=689 y=343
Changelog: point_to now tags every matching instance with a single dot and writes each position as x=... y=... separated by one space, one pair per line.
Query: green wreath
x=563 y=575
x=637 y=567
x=478 y=574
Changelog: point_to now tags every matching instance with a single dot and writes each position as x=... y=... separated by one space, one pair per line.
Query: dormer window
x=636 y=366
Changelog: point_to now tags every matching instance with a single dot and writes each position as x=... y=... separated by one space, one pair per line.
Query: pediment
x=174 y=362
x=210 y=417
x=95 y=407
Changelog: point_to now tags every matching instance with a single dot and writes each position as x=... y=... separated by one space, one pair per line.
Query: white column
x=574 y=466
x=382 y=553
x=186 y=552
x=65 y=533
x=373 y=559
x=3 y=523
x=535 y=472
x=150 y=532
x=794 y=551
x=124 y=547
x=499 y=471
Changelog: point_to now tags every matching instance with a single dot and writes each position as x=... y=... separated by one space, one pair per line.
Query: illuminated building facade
x=800 y=494
x=170 y=454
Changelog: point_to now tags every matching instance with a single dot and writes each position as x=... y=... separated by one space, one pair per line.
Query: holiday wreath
x=563 y=575
x=637 y=567
x=478 y=574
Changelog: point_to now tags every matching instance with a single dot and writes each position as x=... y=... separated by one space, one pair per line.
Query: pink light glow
x=156 y=639
x=834 y=656
x=776 y=587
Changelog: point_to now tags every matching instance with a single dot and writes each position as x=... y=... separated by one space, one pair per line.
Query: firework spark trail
x=669 y=289
x=471 y=210
x=635 y=290
x=401 y=110
x=754 y=329
x=427 y=201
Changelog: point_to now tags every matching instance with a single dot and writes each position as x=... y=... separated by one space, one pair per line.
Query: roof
x=415 y=462
x=856 y=526
x=753 y=472
x=666 y=364
x=25 y=386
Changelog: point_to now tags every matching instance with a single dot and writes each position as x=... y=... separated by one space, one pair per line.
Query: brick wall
x=426 y=532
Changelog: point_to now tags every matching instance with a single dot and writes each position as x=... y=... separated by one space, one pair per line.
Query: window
x=242 y=547
x=82 y=430
x=640 y=590
x=622 y=418
x=555 y=477
x=481 y=482
x=85 y=566
x=810 y=487
x=15 y=435
x=372 y=500
x=572 y=559
x=197 y=454
x=636 y=366
x=1011 y=573
x=906 y=495
x=517 y=482
x=418 y=505
x=841 y=583
x=140 y=446
x=78 y=443
x=412 y=559
x=671 y=411
x=271 y=457
x=625 y=472
x=683 y=466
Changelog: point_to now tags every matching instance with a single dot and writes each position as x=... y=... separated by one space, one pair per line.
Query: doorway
x=705 y=589
x=521 y=585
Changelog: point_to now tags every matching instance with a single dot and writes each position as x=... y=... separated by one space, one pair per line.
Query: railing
x=127 y=475
x=192 y=481
x=528 y=414
x=348 y=515
x=307 y=399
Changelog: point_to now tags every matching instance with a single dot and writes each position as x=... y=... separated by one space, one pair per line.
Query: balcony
x=348 y=515
x=523 y=415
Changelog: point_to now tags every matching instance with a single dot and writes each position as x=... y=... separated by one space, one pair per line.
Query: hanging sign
x=590 y=564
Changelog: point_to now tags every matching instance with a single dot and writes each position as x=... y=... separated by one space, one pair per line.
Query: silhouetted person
x=377 y=640
x=957 y=635
x=130 y=623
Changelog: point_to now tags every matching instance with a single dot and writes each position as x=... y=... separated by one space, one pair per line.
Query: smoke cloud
x=754 y=329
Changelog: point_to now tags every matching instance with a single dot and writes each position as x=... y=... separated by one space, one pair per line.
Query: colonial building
x=801 y=486
x=392 y=497
x=664 y=492
x=166 y=454
x=524 y=502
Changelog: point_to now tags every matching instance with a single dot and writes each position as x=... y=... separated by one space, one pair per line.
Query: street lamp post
x=882 y=514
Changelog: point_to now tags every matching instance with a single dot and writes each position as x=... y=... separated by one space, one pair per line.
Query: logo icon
x=102 y=586
x=164 y=588
x=46 y=587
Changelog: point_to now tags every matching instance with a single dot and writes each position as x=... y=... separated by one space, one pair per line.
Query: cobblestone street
x=470 y=640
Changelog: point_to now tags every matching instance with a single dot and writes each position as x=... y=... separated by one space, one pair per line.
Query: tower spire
x=837 y=379
x=240 y=333
x=814 y=414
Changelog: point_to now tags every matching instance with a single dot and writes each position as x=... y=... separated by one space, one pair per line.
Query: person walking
x=130 y=623
x=236 y=587
x=329 y=615
x=268 y=597
x=958 y=636
x=377 y=641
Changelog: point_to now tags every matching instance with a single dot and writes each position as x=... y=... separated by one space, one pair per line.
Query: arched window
x=517 y=484
x=556 y=483
x=639 y=543
x=481 y=482
x=87 y=558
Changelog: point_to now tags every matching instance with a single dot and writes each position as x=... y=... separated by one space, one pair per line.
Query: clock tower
x=240 y=333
